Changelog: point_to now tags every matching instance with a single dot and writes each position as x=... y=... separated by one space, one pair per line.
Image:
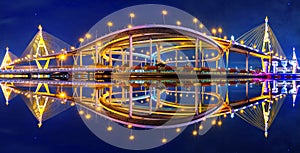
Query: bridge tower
x=294 y=62
x=266 y=47
x=7 y=60
x=41 y=50
x=7 y=91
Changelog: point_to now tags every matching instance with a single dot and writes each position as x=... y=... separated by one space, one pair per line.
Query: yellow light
x=212 y=54
x=81 y=112
x=200 y=127
x=195 y=20
x=195 y=132
x=225 y=37
x=131 y=15
x=242 y=111
x=242 y=42
x=131 y=137
x=201 y=26
x=129 y=126
x=164 y=12
x=220 y=30
x=254 y=46
x=109 y=128
x=129 y=26
x=225 y=115
x=62 y=57
x=213 y=122
x=163 y=140
x=88 y=36
x=178 y=23
x=81 y=40
x=62 y=95
x=72 y=48
x=88 y=116
x=214 y=31
x=220 y=123
x=109 y=24
x=178 y=130
x=72 y=104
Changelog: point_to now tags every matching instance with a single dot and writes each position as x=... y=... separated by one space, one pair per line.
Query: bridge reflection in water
x=159 y=104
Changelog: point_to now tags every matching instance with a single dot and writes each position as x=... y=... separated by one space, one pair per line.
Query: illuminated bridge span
x=143 y=106
x=151 y=48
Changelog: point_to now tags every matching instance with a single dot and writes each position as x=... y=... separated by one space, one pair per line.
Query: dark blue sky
x=71 y=19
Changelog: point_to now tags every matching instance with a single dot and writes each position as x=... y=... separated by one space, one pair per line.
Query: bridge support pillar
x=227 y=59
x=150 y=49
x=158 y=53
x=96 y=55
x=176 y=58
x=196 y=53
x=110 y=57
x=130 y=51
x=264 y=65
x=274 y=65
x=196 y=100
x=80 y=59
x=247 y=62
x=130 y=101
x=123 y=56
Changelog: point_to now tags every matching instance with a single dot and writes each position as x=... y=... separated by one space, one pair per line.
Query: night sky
x=71 y=19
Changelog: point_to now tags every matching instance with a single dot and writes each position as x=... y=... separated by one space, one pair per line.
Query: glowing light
x=201 y=26
x=195 y=20
x=164 y=140
x=109 y=24
x=131 y=137
x=213 y=122
x=129 y=126
x=81 y=112
x=242 y=42
x=62 y=95
x=164 y=12
x=214 y=31
x=200 y=127
x=195 y=132
x=178 y=23
x=62 y=57
x=242 y=111
x=220 y=123
x=88 y=116
x=220 y=30
x=88 y=36
x=81 y=40
x=131 y=15
x=109 y=128
x=178 y=130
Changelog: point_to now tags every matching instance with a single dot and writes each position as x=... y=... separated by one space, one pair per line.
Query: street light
x=129 y=26
x=81 y=40
x=164 y=13
x=220 y=30
x=109 y=24
x=131 y=15
x=201 y=26
x=214 y=31
x=195 y=20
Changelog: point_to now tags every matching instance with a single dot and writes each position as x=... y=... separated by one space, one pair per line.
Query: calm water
x=66 y=129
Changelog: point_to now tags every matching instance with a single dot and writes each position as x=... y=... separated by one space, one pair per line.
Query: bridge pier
x=247 y=62
x=196 y=52
x=130 y=51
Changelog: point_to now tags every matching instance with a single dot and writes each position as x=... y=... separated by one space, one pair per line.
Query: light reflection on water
x=168 y=106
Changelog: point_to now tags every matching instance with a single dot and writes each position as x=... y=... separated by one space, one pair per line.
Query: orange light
x=62 y=57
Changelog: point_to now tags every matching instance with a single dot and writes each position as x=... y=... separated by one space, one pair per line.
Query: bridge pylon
x=7 y=60
x=41 y=48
